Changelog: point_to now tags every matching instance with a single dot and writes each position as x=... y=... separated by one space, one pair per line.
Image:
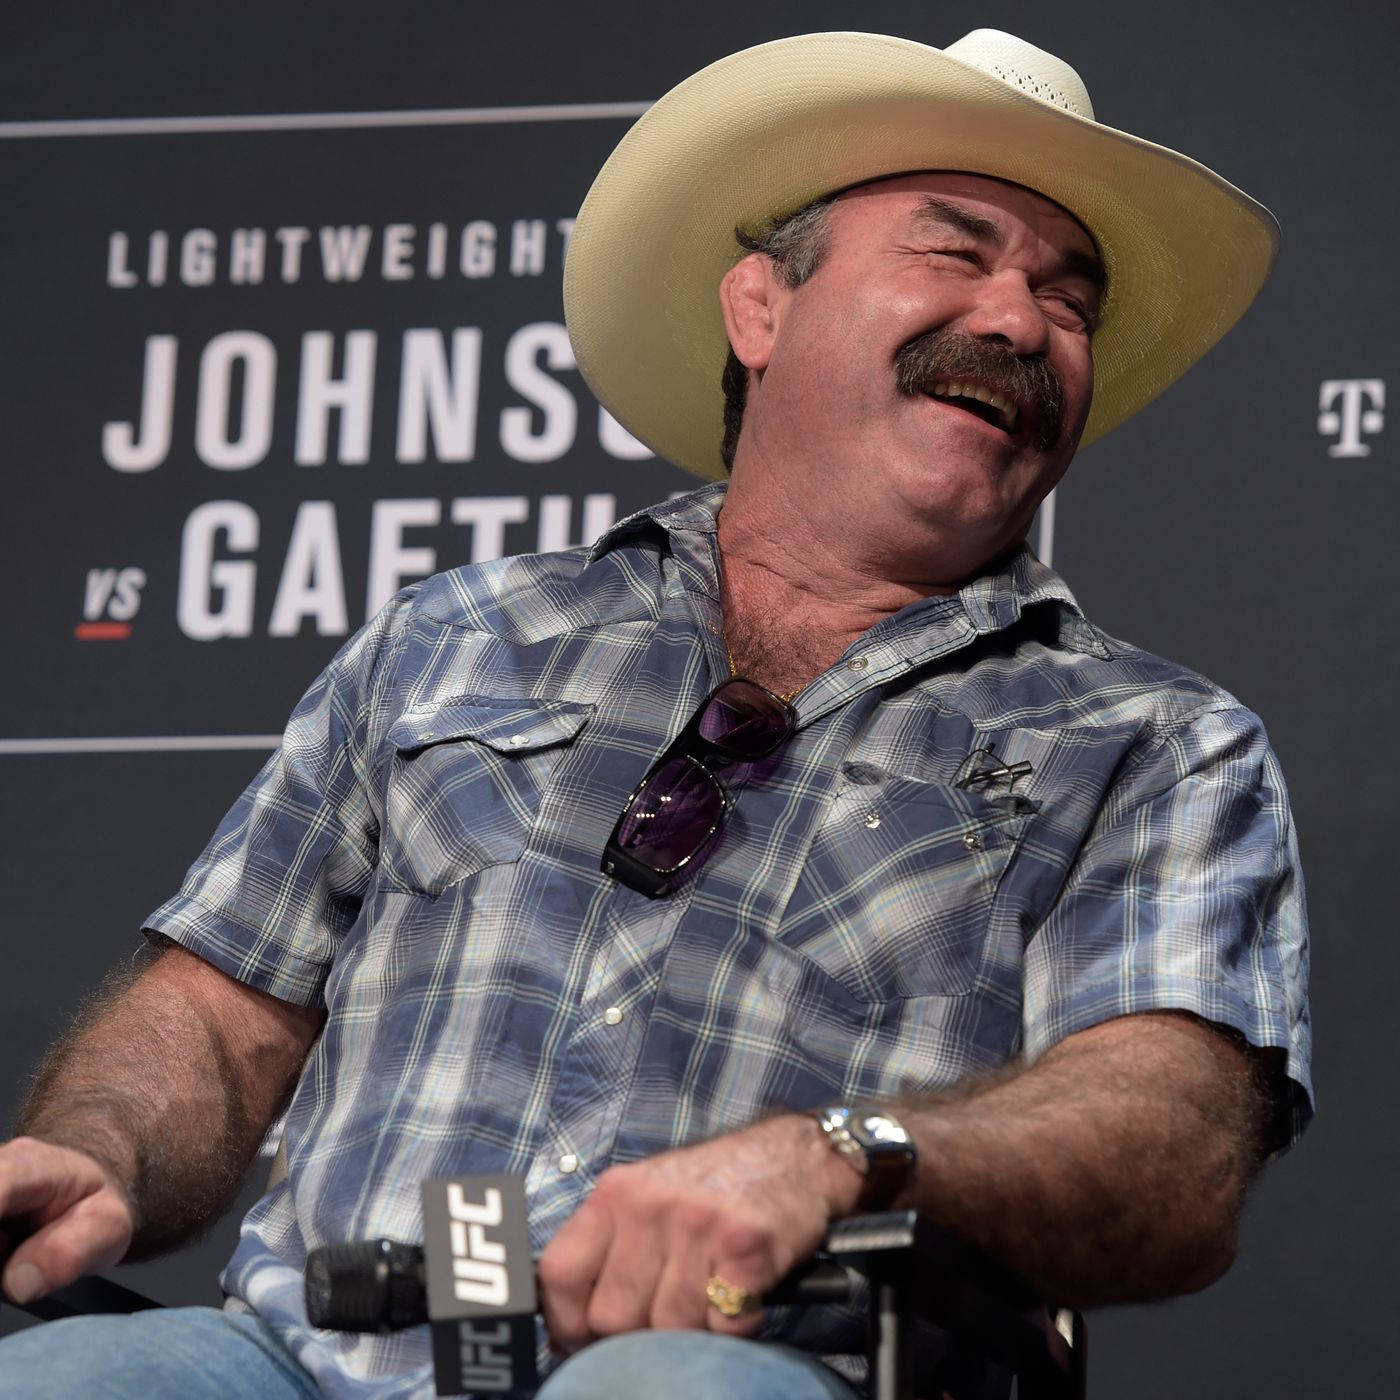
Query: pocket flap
x=506 y=725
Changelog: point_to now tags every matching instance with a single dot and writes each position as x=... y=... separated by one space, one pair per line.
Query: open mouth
x=979 y=401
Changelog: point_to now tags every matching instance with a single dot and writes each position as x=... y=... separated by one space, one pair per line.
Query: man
x=1023 y=892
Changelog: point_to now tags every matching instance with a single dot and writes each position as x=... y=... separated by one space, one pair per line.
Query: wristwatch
x=876 y=1145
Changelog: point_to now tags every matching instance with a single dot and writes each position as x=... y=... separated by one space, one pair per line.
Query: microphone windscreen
x=365 y=1286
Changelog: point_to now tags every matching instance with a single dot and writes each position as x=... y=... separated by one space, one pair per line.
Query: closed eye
x=1075 y=310
x=962 y=254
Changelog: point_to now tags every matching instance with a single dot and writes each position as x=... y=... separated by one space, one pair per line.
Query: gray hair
x=796 y=243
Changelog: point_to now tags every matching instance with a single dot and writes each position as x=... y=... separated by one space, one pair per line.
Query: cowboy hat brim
x=762 y=132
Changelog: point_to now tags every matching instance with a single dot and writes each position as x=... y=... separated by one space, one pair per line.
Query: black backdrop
x=1242 y=524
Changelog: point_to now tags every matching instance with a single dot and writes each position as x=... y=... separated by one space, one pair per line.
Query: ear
x=747 y=295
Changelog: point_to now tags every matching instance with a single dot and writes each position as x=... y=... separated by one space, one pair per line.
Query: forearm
x=168 y=1092
x=1113 y=1170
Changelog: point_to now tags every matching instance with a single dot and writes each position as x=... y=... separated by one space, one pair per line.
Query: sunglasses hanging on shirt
x=675 y=814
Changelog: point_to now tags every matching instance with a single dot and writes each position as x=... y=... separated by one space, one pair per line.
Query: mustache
x=1031 y=382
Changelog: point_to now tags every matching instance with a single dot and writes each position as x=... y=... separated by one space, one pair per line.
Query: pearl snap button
x=972 y=841
x=516 y=740
x=612 y=1015
x=568 y=1163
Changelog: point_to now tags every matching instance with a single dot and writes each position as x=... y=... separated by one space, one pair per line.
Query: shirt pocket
x=465 y=783
x=897 y=894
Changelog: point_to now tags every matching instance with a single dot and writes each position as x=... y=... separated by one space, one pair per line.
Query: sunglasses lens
x=672 y=820
x=744 y=721
x=673 y=817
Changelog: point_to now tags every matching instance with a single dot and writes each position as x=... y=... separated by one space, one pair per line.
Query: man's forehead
x=978 y=188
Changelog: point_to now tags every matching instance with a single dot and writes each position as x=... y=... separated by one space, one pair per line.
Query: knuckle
x=614 y=1181
x=561 y=1344
x=565 y=1321
x=107 y=1220
x=695 y=1217
x=61 y=1260
x=668 y=1316
x=624 y=1187
x=564 y=1324
x=114 y=1206
x=16 y=1155
x=679 y=1305
x=567 y=1339
x=745 y=1239
x=554 y=1270
x=608 y=1316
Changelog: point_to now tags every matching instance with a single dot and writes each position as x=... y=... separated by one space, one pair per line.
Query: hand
x=80 y=1219
x=640 y=1250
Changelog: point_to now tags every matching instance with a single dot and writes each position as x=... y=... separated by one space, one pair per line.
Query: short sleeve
x=281 y=881
x=1187 y=895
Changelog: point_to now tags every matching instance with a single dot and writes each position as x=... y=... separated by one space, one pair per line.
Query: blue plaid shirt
x=422 y=857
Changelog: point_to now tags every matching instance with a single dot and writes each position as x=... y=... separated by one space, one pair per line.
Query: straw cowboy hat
x=762 y=132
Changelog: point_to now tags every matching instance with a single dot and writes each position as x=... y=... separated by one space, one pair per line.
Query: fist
x=61 y=1216
x=640 y=1251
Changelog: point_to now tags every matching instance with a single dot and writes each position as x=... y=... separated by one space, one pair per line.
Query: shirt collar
x=991 y=602
x=998 y=598
x=693 y=510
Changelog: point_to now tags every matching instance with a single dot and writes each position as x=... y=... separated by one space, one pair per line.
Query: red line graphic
x=102 y=631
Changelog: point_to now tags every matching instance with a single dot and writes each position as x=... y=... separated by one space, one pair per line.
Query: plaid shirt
x=422 y=857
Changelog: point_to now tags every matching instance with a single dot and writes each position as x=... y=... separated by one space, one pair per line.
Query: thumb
x=71 y=1211
x=92 y=1234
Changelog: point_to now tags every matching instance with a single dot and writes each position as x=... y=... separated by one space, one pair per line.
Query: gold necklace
x=787 y=696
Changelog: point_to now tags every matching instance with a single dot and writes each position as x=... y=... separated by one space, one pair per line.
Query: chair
x=988 y=1317
x=913 y=1269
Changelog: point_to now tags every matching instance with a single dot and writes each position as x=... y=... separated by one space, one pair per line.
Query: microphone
x=366 y=1286
x=378 y=1286
x=475 y=1289
x=472 y=1281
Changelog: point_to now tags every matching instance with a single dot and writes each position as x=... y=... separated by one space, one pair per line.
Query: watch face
x=864 y=1135
x=878 y=1128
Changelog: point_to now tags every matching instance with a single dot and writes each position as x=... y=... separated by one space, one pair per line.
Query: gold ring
x=729 y=1298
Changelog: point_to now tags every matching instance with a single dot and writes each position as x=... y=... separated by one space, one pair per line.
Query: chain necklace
x=787 y=696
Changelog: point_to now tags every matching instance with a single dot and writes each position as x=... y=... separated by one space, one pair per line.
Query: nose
x=1006 y=310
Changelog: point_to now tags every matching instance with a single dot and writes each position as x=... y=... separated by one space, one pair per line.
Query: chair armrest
x=917 y=1269
x=93 y=1294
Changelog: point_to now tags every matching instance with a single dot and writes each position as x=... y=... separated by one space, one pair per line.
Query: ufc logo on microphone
x=484 y=1357
x=480 y=1275
x=478 y=1264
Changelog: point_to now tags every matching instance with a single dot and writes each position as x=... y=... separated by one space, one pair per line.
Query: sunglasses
x=674 y=815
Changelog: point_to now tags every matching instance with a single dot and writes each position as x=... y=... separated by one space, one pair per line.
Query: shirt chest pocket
x=897 y=895
x=465 y=783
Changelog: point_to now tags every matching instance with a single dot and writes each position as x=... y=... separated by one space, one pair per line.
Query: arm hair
x=169 y=1078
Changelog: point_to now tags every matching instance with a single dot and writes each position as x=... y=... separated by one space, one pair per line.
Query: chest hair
x=782 y=653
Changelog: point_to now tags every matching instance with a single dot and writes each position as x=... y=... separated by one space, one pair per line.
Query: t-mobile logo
x=1347 y=408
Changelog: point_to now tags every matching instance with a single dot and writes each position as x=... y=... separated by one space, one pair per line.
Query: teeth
x=1003 y=405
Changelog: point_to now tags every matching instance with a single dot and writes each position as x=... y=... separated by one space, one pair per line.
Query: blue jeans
x=692 y=1366
x=205 y=1354
x=161 y=1354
